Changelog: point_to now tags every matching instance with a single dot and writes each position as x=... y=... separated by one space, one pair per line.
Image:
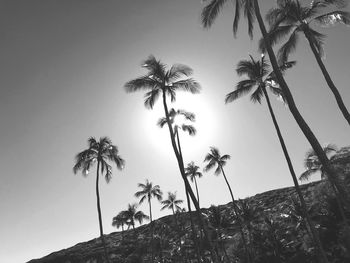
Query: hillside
x=273 y=226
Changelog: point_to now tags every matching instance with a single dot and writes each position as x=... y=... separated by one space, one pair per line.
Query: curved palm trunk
x=328 y=79
x=194 y=235
x=344 y=197
x=187 y=185
x=313 y=232
x=99 y=213
x=237 y=216
x=195 y=183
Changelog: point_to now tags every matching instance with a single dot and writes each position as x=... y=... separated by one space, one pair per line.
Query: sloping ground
x=274 y=230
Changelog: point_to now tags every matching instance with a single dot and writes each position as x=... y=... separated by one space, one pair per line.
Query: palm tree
x=213 y=158
x=99 y=152
x=259 y=78
x=289 y=19
x=165 y=83
x=132 y=215
x=313 y=165
x=148 y=191
x=119 y=221
x=172 y=203
x=251 y=8
x=192 y=171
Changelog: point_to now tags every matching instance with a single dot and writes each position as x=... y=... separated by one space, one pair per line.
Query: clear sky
x=63 y=65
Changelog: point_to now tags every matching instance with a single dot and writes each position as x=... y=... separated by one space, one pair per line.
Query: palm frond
x=177 y=71
x=161 y=122
x=242 y=88
x=187 y=85
x=188 y=115
x=151 y=97
x=225 y=157
x=140 y=84
x=246 y=67
x=189 y=128
x=333 y=18
x=211 y=11
x=250 y=15
x=317 y=40
x=306 y=175
x=257 y=95
x=236 y=17
x=155 y=67
x=275 y=36
x=288 y=47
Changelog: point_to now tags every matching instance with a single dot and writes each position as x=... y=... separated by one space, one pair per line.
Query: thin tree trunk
x=195 y=182
x=187 y=185
x=237 y=216
x=314 y=233
x=99 y=213
x=152 y=229
x=296 y=114
x=328 y=79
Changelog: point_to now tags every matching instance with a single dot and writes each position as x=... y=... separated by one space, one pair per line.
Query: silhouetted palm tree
x=119 y=221
x=132 y=215
x=213 y=158
x=148 y=191
x=100 y=152
x=162 y=82
x=172 y=203
x=251 y=8
x=313 y=165
x=259 y=78
x=289 y=19
x=192 y=171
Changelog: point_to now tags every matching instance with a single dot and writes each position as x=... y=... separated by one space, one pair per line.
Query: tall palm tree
x=251 y=8
x=148 y=191
x=165 y=83
x=100 y=152
x=290 y=19
x=119 y=221
x=259 y=78
x=132 y=215
x=214 y=158
x=192 y=171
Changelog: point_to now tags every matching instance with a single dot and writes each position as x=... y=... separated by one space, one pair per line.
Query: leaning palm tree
x=172 y=203
x=100 y=152
x=148 y=191
x=119 y=221
x=192 y=171
x=252 y=11
x=290 y=19
x=160 y=82
x=132 y=215
x=214 y=158
x=259 y=78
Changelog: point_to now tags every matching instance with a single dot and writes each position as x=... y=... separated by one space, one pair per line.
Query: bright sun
x=205 y=125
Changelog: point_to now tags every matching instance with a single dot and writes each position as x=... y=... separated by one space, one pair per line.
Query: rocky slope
x=273 y=225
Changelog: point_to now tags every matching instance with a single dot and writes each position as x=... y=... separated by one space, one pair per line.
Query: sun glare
x=205 y=124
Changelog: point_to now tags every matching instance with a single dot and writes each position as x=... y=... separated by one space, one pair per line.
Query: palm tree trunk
x=151 y=225
x=328 y=79
x=314 y=233
x=187 y=185
x=296 y=114
x=237 y=216
x=195 y=182
x=99 y=213
x=150 y=209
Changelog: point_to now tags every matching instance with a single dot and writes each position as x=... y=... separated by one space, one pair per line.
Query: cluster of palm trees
x=287 y=20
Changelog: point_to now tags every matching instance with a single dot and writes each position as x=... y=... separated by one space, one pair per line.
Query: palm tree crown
x=100 y=152
x=192 y=171
x=119 y=220
x=132 y=215
x=172 y=203
x=159 y=80
x=289 y=19
x=215 y=159
x=259 y=76
x=313 y=164
x=148 y=191
x=173 y=115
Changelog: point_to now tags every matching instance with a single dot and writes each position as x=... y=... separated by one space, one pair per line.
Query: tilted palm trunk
x=328 y=79
x=343 y=193
x=183 y=175
x=237 y=216
x=99 y=212
x=195 y=182
x=311 y=226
